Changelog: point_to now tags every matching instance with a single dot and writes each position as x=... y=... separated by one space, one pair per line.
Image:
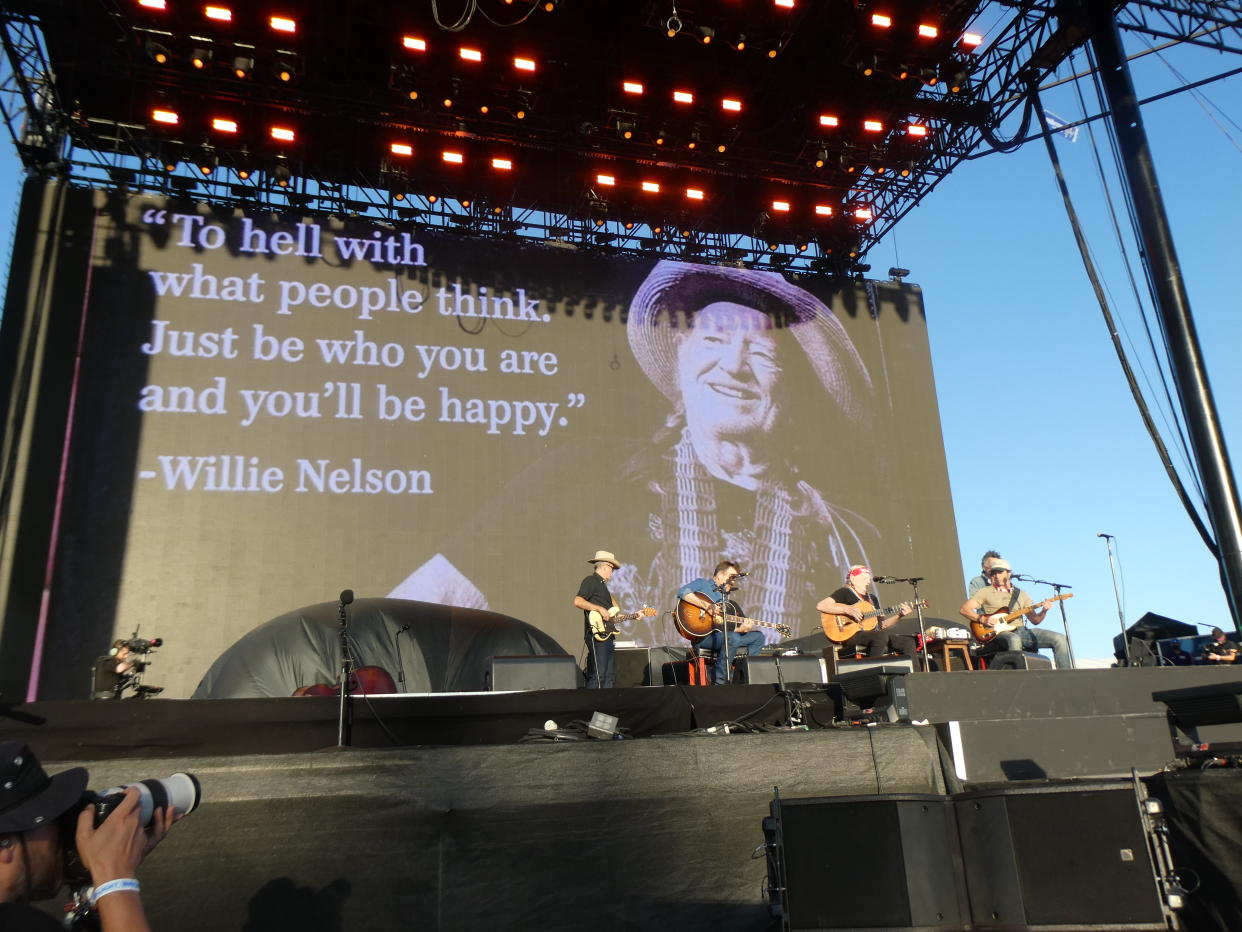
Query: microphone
x=741 y=575
x=886 y=579
x=1024 y=577
x=1109 y=536
x=347 y=596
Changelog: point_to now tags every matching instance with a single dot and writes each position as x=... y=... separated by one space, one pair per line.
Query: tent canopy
x=426 y=647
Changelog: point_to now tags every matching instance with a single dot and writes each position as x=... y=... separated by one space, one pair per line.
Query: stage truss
x=81 y=82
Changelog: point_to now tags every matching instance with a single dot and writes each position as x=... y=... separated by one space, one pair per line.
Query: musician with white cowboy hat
x=593 y=596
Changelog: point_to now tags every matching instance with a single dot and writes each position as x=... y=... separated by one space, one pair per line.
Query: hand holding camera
x=116 y=847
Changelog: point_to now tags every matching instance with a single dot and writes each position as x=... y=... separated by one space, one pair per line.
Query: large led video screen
x=271 y=408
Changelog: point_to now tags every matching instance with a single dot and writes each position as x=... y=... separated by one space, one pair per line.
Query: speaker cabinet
x=871 y=663
x=866 y=862
x=640 y=666
x=1058 y=857
x=519 y=673
x=1018 y=660
x=794 y=669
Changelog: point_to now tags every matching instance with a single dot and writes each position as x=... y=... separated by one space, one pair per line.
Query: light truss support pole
x=1172 y=303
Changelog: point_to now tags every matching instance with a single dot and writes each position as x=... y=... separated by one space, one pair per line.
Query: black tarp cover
x=425 y=646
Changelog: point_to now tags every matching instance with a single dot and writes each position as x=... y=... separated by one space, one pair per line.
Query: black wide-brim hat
x=29 y=798
x=663 y=308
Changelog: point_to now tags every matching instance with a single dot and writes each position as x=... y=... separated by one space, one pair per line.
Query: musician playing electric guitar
x=710 y=595
x=851 y=601
x=593 y=596
x=994 y=601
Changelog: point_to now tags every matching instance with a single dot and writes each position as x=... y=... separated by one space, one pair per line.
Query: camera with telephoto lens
x=139 y=645
x=179 y=791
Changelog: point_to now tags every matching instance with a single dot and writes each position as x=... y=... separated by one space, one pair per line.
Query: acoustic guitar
x=1000 y=622
x=694 y=622
x=605 y=629
x=840 y=628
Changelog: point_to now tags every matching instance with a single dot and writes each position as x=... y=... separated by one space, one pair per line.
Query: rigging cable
x=1092 y=274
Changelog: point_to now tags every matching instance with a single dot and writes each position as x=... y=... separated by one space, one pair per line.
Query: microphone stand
x=724 y=631
x=918 y=610
x=1069 y=644
x=342 y=736
x=1125 y=641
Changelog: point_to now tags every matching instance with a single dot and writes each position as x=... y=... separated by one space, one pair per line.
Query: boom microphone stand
x=724 y=589
x=1125 y=640
x=918 y=609
x=1064 y=620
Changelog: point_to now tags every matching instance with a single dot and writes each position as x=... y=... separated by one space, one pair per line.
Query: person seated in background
x=113 y=670
x=982 y=579
x=1220 y=649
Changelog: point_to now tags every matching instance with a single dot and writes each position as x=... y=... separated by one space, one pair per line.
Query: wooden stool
x=945 y=646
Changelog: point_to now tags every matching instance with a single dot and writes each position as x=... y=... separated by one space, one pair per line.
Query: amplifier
x=1018 y=660
x=543 y=672
x=641 y=666
x=794 y=669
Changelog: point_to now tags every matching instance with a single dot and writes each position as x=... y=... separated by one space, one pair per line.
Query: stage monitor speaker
x=870 y=663
x=1018 y=660
x=865 y=862
x=640 y=666
x=545 y=672
x=1058 y=857
x=794 y=669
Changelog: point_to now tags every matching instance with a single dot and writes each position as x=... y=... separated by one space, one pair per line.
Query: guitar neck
x=891 y=610
x=1014 y=616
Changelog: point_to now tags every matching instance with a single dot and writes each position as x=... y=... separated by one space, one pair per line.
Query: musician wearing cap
x=712 y=596
x=32 y=856
x=593 y=596
x=851 y=602
x=1002 y=599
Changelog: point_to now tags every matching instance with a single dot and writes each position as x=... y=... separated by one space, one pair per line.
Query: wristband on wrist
x=113 y=886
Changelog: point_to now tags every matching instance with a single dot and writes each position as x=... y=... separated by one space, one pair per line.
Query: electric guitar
x=605 y=628
x=840 y=628
x=987 y=628
x=694 y=622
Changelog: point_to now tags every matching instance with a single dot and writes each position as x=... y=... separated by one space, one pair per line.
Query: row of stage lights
x=223 y=15
x=455 y=157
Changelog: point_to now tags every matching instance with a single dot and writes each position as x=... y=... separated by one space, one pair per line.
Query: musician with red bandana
x=848 y=603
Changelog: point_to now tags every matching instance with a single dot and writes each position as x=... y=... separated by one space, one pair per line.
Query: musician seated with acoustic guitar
x=1000 y=611
x=850 y=619
x=711 y=595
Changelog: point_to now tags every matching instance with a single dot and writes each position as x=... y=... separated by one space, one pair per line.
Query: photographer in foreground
x=36 y=818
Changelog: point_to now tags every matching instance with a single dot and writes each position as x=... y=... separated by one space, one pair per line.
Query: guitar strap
x=1013 y=600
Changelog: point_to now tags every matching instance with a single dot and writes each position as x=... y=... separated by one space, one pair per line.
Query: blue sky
x=1044 y=443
